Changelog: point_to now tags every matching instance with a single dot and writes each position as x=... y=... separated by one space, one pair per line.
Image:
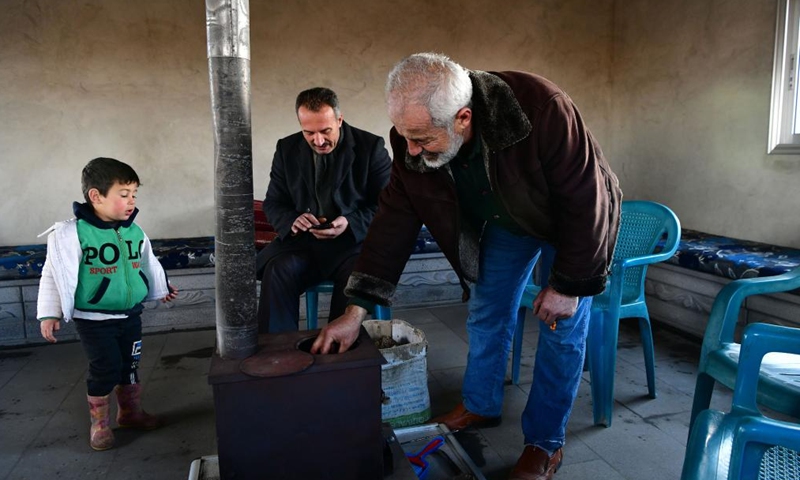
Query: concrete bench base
x=427 y=280
x=676 y=296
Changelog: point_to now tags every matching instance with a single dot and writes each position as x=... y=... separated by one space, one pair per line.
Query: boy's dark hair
x=101 y=173
x=316 y=98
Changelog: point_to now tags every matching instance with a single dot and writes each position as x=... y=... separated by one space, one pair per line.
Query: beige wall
x=691 y=83
x=104 y=78
x=129 y=80
x=676 y=92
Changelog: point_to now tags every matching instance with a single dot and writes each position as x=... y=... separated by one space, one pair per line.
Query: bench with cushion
x=189 y=263
x=681 y=290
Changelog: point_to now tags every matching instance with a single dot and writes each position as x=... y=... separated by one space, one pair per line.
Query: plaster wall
x=130 y=80
x=690 y=115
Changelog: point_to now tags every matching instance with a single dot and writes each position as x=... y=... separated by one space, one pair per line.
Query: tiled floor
x=44 y=422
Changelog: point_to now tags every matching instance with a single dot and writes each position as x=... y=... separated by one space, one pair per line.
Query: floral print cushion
x=707 y=253
x=731 y=257
x=27 y=261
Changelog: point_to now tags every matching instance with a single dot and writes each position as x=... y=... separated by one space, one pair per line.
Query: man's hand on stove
x=342 y=332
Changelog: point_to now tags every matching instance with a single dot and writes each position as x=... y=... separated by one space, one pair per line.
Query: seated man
x=322 y=195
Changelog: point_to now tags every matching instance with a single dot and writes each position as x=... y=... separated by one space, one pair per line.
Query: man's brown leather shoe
x=535 y=464
x=460 y=418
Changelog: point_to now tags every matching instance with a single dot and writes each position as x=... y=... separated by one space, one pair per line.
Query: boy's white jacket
x=60 y=274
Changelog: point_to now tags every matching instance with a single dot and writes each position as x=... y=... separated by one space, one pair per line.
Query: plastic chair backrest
x=642 y=226
x=725 y=310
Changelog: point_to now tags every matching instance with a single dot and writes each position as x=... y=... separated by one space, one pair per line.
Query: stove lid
x=273 y=363
x=363 y=355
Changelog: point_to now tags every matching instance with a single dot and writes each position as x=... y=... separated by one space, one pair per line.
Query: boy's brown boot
x=100 y=435
x=130 y=413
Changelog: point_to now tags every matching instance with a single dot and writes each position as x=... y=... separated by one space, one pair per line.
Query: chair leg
x=646 y=334
x=703 y=390
x=516 y=353
x=382 y=313
x=312 y=302
x=602 y=351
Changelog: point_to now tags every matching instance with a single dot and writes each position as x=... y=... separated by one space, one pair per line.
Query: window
x=784 y=123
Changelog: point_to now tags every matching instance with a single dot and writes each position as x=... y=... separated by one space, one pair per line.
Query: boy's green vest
x=110 y=279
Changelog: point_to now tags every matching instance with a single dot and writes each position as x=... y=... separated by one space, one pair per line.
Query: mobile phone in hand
x=322 y=226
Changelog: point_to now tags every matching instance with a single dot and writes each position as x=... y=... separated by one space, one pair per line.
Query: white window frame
x=784 y=107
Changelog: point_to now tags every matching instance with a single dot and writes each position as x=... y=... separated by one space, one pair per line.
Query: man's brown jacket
x=542 y=163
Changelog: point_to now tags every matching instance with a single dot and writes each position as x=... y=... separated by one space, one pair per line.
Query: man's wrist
x=565 y=295
x=360 y=302
x=357 y=311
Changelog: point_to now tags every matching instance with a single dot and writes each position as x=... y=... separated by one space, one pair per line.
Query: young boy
x=99 y=269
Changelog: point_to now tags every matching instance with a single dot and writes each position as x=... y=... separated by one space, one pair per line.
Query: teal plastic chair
x=649 y=233
x=642 y=228
x=312 y=305
x=779 y=389
x=744 y=444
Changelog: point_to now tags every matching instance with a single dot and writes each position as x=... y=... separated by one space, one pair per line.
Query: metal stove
x=285 y=413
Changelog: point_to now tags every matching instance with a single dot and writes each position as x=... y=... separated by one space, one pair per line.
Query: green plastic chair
x=644 y=228
x=744 y=444
x=312 y=304
x=779 y=388
x=649 y=233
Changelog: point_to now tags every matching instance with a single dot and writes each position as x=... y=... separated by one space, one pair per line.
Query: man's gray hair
x=433 y=81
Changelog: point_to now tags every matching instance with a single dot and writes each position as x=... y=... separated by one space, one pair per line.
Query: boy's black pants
x=113 y=348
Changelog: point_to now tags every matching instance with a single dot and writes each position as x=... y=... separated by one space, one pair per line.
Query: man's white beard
x=438 y=160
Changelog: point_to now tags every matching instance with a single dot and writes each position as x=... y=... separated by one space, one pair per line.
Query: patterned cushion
x=722 y=256
x=26 y=261
x=176 y=253
x=731 y=257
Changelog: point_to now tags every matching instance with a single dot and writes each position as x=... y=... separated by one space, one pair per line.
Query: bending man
x=496 y=165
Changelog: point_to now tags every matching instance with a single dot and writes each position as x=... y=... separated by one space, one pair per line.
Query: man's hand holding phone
x=322 y=226
x=304 y=222
x=328 y=230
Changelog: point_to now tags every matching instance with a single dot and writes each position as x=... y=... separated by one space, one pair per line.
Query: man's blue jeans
x=506 y=262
